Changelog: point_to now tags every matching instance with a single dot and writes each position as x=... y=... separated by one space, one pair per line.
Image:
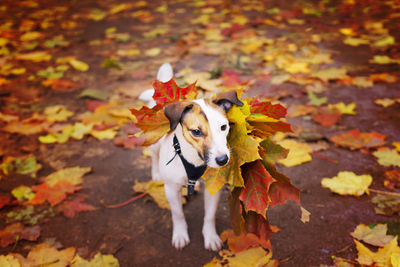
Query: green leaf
x=94 y=93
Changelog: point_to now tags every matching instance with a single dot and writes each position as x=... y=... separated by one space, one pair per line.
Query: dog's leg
x=180 y=237
x=211 y=238
x=155 y=158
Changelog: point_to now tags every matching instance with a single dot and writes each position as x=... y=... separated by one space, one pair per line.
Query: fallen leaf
x=385 y=102
x=70 y=207
x=23 y=193
x=344 y=109
x=330 y=74
x=57 y=113
x=392 y=179
x=387 y=157
x=52 y=194
x=348 y=183
x=156 y=190
x=36 y=56
x=380 y=258
x=72 y=175
x=298 y=153
x=99 y=260
x=386 y=205
x=95 y=94
x=43 y=254
x=314 y=100
x=14 y=232
x=152 y=52
x=26 y=165
x=326 y=117
x=375 y=235
x=354 y=139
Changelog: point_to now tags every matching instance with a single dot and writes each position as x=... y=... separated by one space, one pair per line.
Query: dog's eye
x=196 y=132
x=223 y=127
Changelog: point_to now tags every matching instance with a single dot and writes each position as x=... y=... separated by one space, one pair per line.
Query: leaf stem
x=394 y=194
x=114 y=206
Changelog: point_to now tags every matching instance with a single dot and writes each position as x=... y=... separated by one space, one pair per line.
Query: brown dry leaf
x=375 y=236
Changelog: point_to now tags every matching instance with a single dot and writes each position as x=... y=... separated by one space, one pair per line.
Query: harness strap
x=193 y=172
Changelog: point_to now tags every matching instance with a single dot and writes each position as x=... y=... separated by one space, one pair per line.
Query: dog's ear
x=227 y=99
x=175 y=111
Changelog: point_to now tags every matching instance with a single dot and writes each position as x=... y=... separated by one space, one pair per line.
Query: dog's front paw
x=180 y=240
x=212 y=242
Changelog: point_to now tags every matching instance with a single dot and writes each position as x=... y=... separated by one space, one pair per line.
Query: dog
x=198 y=134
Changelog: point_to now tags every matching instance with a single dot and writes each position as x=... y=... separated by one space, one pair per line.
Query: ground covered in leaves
x=71 y=70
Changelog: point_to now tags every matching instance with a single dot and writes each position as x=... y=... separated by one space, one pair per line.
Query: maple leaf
x=257 y=183
x=98 y=260
x=53 y=194
x=282 y=190
x=259 y=225
x=70 y=207
x=276 y=111
x=375 y=235
x=392 y=179
x=354 y=139
x=238 y=243
x=326 y=117
x=17 y=231
x=156 y=190
x=387 y=157
x=170 y=92
x=4 y=201
x=298 y=153
x=272 y=152
x=72 y=175
x=348 y=183
x=380 y=258
x=24 y=165
x=43 y=254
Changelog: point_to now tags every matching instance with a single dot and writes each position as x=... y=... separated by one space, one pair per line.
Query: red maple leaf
x=276 y=111
x=236 y=211
x=70 y=207
x=170 y=92
x=17 y=231
x=282 y=190
x=327 y=117
x=257 y=182
x=354 y=139
x=52 y=194
x=259 y=226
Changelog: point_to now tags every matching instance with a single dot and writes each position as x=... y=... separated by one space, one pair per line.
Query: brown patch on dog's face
x=196 y=130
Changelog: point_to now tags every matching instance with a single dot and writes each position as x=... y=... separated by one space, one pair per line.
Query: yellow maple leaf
x=345 y=109
x=348 y=183
x=256 y=256
x=387 y=157
x=355 y=41
x=57 y=113
x=330 y=74
x=156 y=190
x=381 y=258
x=43 y=254
x=98 y=260
x=298 y=153
x=73 y=175
x=385 y=102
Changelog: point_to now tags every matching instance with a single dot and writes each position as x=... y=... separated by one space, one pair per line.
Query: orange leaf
x=276 y=111
x=71 y=207
x=53 y=194
x=257 y=183
x=327 y=117
x=354 y=139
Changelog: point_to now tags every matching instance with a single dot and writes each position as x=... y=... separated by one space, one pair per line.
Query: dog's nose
x=222 y=160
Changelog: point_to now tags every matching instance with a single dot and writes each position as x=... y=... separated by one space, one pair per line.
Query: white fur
x=174 y=175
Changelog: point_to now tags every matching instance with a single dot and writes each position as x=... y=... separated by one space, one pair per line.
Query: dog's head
x=205 y=126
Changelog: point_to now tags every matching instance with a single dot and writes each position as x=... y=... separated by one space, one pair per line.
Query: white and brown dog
x=200 y=129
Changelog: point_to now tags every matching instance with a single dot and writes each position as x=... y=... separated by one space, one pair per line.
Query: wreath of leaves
x=254 y=181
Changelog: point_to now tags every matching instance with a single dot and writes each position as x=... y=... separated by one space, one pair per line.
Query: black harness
x=193 y=172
